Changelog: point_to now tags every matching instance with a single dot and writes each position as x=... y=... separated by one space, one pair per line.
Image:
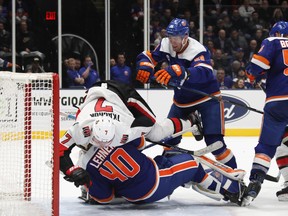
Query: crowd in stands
x=233 y=32
x=28 y=55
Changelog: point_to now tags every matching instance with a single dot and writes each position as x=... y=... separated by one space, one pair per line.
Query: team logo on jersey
x=86 y=131
x=124 y=138
x=233 y=112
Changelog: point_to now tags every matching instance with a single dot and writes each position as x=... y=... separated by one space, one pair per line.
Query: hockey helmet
x=178 y=27
x=103 y=131
x=280 y=27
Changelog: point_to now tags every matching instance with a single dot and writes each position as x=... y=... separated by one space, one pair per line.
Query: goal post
x=29 y=137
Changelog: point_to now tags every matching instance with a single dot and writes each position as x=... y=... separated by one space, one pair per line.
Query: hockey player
x=282 y=162
x=271 y=60
x=110 y=127
x=190 y=67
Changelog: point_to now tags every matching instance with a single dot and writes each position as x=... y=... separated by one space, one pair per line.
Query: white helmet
x=103 y=131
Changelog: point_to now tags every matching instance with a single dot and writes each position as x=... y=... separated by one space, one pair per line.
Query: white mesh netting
x=26 y=144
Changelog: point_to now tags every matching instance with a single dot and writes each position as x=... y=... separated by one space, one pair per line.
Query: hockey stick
x=190 y=129
x=272 y=178
x=235 y=174
x=199 y=152
x=171 y=84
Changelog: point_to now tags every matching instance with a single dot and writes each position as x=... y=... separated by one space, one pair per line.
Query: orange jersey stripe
x=261 y=59
x=178 y=168
x=263 y=157
x=149 y=54
x=201 y=100
x=106 y=200
x=223 y=155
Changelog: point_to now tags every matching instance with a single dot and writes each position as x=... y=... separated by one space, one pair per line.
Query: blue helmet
x=280 y=27
x=178 y=27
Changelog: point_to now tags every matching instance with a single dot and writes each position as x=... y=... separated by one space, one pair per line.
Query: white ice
x=185 y=201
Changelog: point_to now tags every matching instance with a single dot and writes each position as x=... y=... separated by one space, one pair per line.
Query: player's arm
x=72 y=173
x=200 y=71
x=146 y=61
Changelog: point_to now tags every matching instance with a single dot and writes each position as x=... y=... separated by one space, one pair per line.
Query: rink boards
x=239 y=121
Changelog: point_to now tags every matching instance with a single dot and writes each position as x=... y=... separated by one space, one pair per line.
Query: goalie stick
x=235 y=174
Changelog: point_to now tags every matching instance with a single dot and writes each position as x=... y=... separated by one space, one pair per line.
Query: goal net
x=29 y=133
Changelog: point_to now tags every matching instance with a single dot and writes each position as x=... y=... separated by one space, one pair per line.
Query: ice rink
x=185 y=201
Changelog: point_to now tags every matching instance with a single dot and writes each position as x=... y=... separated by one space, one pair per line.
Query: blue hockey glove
x=172 y=73
x=145 y=69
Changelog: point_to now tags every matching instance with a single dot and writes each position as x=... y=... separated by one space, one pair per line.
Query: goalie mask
x=103 y=131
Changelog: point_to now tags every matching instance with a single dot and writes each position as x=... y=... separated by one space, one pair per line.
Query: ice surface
x=185 y=201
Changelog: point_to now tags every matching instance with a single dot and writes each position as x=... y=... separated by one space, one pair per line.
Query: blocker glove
x=145 y=69
x=174 y=73
x=79 y=176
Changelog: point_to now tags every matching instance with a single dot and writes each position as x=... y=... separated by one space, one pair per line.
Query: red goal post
x=29 y=136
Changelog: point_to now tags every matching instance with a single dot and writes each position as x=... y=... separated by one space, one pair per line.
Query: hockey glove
x=174 y=73
x=145 y=69
x=79 y=176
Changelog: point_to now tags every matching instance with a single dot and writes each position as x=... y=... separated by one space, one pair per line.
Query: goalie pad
x=235 y=174
x=217 y=186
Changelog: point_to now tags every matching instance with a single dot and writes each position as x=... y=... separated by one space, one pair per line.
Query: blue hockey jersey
x=196 y=59
x=272 y=59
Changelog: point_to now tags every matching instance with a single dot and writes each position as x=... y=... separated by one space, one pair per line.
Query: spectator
x=177 y=10
x=5 y=64
x=26 y=44
x=255 y=23
x=121 y=72
x=239 y=84
x=5 y=41
x=220 y=60
x=277 y=16
x=237 y=21
x=74 y=79
x=35 y=66
x=78 y=64
x=284 y=9
x=221 y=42
x=112 y=62
x=239 y=56
x=224 y=82
x=265 y=12
x=211 y=48
x=237 y=41
x=246 y=10
x=89 y=74
x=3 y=12
x=241 y=74
x=209 y=34
x=259 y=37
x=234 y=67
x=166 y=18
x=252 y=49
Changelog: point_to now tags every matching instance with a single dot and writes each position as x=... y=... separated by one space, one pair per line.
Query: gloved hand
x=145 y=69
x=79 y=176
x=172 y=73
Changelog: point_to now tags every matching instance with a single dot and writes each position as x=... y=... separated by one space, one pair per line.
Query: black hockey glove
x=79 y=176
